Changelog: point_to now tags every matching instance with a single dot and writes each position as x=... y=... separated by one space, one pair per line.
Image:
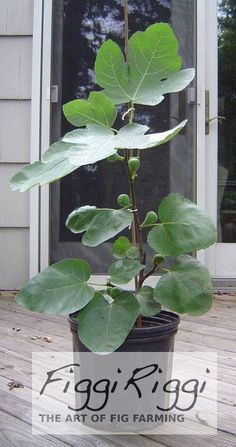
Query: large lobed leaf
x=110 y=321
x=95 y=138
x=187 y=288
x=40 y=173
x=62 y=158
x=133 y=136
x=183 y=227
x=98 y=109
x=153 y=69
x=59 y=289
x=86 y=146
x=100 y=224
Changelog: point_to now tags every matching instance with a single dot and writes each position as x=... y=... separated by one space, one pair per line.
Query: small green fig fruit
x=151 y=218
x=114 y=291
x=134 y=164
x=115 y=157
x=158 y=259
x=124 y=200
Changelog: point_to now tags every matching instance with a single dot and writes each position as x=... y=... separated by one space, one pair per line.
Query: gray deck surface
x=215 y=331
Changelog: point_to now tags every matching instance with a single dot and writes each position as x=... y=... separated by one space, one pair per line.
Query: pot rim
x=164 y=323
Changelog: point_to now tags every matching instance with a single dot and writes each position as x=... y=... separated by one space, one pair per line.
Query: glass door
x=221 y=135
x=79 y=29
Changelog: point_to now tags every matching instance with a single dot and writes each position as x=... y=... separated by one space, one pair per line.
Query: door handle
x=219 y=118
x=209 y=120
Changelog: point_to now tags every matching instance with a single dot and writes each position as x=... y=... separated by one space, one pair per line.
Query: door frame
x=41 y=122
x=207 y=144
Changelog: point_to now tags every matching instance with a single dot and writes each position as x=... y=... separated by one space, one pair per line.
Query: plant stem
x=137 y=234
x=136 y=230
x=154 y=270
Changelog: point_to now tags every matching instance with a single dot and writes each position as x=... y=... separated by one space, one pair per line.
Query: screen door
x=79 y=29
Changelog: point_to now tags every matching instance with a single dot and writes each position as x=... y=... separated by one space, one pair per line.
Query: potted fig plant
x=108 y=317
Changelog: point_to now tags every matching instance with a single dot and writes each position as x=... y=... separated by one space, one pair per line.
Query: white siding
x=14 y=203
x=14 y=262
x=16 y=67
x=15 y=131
x=16 y=25
x=16 y=17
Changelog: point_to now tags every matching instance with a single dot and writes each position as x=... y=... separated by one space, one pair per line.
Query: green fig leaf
x=62 y=158
x=148 y=307
x=183 y=227
x=100 y=224
x=83 y=147
x=59 y=289
x=122 y=248
x=153 y=69
x=88 y=145
x=98 y=109
x=104 y=326
x=131 y=136
x=40 y=173
x=187 y=288
x=123 y=271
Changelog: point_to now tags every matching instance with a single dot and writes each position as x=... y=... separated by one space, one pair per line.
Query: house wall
x=16 y=30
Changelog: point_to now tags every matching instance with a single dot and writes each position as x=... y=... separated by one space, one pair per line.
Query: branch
x=155 y=269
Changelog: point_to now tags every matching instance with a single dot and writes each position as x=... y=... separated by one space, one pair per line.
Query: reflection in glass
x=227 y=126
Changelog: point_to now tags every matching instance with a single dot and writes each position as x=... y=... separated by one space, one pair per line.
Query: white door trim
x=211 y=160
x=45 y=130
x=35 y=133
x=40 y=131
x=200 y=133
x=207 y=145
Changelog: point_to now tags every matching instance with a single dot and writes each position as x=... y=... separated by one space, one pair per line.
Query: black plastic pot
x=156 y=335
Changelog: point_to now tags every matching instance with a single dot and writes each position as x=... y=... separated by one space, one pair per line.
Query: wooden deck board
x=215 y=331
